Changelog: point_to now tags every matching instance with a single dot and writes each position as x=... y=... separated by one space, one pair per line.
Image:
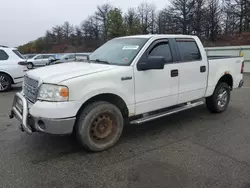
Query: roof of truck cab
x=159 y=35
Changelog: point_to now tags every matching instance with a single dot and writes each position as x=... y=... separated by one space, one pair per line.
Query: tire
x=30 y=66
x=218 y=102
x=99 y=126
x=5 y=82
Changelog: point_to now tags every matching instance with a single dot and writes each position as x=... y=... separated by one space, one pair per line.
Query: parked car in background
x=12 y=67
x=29 y=56
x=72 y=57
x=132 y=79
x=82 y=56
x=40 y=60
x=64 y=58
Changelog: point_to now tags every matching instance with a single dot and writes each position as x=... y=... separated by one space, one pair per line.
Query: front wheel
x=219 y=101
x=99 y=126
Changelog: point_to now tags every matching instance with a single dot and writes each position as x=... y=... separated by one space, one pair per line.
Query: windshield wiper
x=99 y=61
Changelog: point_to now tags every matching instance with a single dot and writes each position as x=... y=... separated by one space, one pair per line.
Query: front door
x=156 y=89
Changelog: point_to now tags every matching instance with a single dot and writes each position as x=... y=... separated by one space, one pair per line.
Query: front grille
x=30 y=88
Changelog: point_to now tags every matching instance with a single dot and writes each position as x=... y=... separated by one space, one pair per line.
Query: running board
x=166 y=113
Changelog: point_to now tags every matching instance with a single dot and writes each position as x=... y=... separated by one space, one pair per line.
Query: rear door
x=156 y=89
x=38 y=60
x=193 y=70
x=45 y=59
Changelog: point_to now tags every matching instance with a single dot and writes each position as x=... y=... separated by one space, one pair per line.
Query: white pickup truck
x=134 y=78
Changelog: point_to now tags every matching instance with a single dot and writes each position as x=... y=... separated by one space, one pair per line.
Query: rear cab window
x=3 y=55
x=189 y=50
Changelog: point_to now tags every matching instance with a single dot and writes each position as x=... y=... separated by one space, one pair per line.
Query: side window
x=39 y=57
x=162 y=49
x=189 y=50
x=3 y=55
x=71 y=56
x=46 y=56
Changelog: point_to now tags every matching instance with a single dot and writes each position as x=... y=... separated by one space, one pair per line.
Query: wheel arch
x=107 y=97
x=12 y=80
x=227 y=78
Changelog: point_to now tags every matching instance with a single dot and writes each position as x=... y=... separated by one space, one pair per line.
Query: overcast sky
x=24 y=20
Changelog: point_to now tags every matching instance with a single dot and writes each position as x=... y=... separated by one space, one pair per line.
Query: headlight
x=49 y=92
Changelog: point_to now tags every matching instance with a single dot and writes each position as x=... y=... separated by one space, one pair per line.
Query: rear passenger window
x=162 y=49
x=39 y=57
x=189 y=50
x=18 y=54
x=3 y=55
x=45 y=56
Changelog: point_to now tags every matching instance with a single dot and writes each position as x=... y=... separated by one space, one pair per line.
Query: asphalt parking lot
x=190 y=149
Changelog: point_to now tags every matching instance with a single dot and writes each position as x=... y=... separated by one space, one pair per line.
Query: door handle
x=174 y=73
x=203 y=69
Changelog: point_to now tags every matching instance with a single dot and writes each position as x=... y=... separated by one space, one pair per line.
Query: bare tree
x=58 y=32
x=198 y=17
x=213 y=14
x=183 y=11
x=67 y=30
x=230 y=17
x=102 y=16
x=147 y=16
x=166 y=23
x=132 y=22
x=242 y=12
x=78 y=38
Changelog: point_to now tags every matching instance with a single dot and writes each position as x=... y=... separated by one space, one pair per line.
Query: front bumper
x=29 y=123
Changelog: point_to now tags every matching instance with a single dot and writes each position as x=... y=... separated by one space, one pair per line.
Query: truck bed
x=230 y=64
x=220 y=57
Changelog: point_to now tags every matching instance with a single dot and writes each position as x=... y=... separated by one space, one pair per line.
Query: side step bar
x=166 y=113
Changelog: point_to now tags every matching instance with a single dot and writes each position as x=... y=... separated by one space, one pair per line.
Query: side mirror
x=153 y=62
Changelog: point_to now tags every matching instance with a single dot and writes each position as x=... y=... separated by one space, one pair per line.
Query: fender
x=212 y=84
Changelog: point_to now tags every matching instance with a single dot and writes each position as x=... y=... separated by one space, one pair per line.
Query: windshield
x=119 y=51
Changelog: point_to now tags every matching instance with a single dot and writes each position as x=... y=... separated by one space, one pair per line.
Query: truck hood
x=57 y=73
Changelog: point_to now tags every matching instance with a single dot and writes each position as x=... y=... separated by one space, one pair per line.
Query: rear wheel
x=5 y=82
x=219 y=101
x=99 y=126
x=30 y=66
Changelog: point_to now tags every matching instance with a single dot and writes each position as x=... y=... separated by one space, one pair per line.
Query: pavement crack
x=221 y=154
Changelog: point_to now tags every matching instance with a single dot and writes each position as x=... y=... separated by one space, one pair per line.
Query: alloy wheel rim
x=222 y=98
x=4 y=83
